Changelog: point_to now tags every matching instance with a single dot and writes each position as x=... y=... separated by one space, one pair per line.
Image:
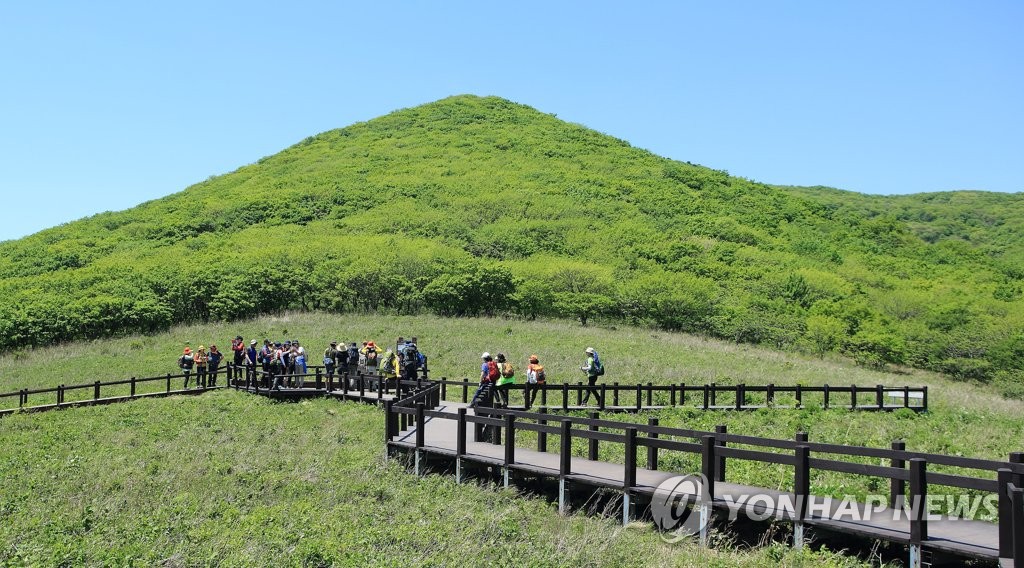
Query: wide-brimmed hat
x=534 y=359
x=485 y=355
x=590 y=350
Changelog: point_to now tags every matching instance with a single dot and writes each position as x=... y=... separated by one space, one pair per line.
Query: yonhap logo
x=681 y=507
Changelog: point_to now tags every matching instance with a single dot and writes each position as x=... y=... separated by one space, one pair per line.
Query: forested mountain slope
x=475 y=205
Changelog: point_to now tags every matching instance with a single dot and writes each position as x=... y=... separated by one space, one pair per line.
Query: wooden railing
x=907 y=472
x=566 y=396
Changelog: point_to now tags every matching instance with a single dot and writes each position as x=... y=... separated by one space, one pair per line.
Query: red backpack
x=492 y=371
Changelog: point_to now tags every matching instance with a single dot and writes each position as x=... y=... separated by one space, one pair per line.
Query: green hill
x=474 y=205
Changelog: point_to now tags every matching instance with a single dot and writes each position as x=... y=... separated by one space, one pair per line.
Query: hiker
x=389 y=366
x=185 y=363
x=409 y=358
x=372 y=357
x=535 y=379
x=331 y=356
x=505 y=381
x=300 y=362
x=251 y=357
x=277 y=365
x=353 y=360
x=201 y=359
x=593 y=369
x=488 y=376
x=215 y=358
x=266 y=355
x=238 y=348
x=362 y=357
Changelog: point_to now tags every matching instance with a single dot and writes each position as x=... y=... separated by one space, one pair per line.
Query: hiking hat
x=334 y=343
x=201 y=348
x=485 y=355
x=590 y=350
x=371 y=344
x=253 y=342
x=534 y=359
x=188 y=350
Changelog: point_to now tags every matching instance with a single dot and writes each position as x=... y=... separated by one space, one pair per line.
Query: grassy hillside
x=963 y=419
x=471 y=206
x=229 y=479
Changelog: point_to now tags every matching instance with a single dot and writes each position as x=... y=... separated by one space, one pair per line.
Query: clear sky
x=104 y=105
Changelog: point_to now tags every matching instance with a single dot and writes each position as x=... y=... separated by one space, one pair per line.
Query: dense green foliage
x=472 y=206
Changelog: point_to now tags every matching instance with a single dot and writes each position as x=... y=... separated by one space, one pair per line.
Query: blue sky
x=109 y=104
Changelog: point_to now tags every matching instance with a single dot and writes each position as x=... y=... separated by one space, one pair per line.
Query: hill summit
x=478 y=205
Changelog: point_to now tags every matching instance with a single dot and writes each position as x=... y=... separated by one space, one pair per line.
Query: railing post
x=629 y=474
x=565 y=396
x=720 y=467
x=708 y=462
x=741 y=396
x=389 y=429
x=924 y=398
x=615 y=393
x=853 y=397
x=604 y=392
x=800 y=396
x=444 y=389
x=825 y=395
x=897 y=487
x=542 y=437
x=460 y=439
x=770 y=395
x=714 y=394
x=652 y=451
x=1017 y=502
x=60 y=394
x=510 y=444
x=579 y=393
x=639 y=397
x=23 y=398
x=802 y=492
x=880 y=396
x=544 y=395
x=592 y=450
x=564 y=464
x=650 y=394
x=918 y=507
x=132 y=387
x=672 y=394
x=707 y=396
x=96 y=390
x=465 y=392
x=362 y=386
x=419 y=425
x=168 y=382
x=1006 y=528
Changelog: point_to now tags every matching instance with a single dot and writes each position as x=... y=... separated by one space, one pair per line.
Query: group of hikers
x=287 y=361
x=497 y=375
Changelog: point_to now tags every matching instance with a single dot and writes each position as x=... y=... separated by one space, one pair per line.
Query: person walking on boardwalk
x=389 y=366
x=506 y=379
x=488 y=376
x=372 y=357
x=185 y=363
x=201 y=359
x=594 y=369
x=535 y=378
x=277 y=366
x=331 y=355
x=300 y=362
x=215 y=357
x=266 y=355
x=238 y=349
x=252 y=356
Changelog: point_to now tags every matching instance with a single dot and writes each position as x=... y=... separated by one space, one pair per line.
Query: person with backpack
x=215 y=358
x=372 y=357
x=389 y=366
x=266 y=355
x=300 y=362
x=488 y=376
x=506 y=378
x=535 y=379
x=353 y=360
x=331 y=356
x=252 y=355
x=201 y=359
x=594 y=369
x=276 y=368
x=409 y=358
x=185 y=363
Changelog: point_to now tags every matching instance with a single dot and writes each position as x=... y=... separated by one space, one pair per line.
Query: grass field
x=231 y=479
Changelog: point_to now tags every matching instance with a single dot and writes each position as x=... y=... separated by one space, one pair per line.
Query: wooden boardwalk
x=977 y=539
